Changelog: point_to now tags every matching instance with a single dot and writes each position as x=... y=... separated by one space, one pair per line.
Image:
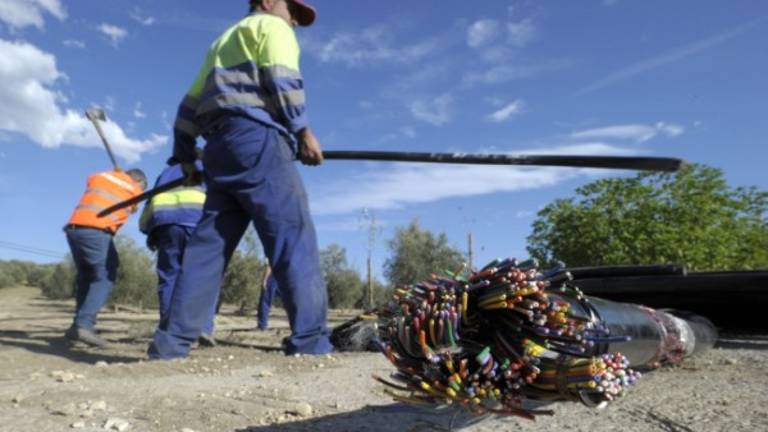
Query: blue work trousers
x=265 y=302
x=96 y=261
x=250 y=177
x=171 y=240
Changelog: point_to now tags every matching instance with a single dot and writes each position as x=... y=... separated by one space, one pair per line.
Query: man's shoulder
x=265 y=23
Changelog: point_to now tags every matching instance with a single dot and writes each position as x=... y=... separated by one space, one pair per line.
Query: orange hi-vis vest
x=104 y=190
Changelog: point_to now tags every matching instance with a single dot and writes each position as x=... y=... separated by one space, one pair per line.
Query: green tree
x=60 y=283
x=136 y=282
x=690 y=217
x=242 y=280
x=24 y=273
x=39 y=274
x=7 y=279
x=418 y=253
x=345 y=287
x=382 y=293
x=14 y=273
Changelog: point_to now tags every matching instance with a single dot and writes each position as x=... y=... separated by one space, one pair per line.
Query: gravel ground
x=245 y=384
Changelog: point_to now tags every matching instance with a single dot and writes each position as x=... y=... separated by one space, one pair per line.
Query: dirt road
x=245 y=384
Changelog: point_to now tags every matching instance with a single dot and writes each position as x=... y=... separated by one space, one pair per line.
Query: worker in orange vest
x=90 y=240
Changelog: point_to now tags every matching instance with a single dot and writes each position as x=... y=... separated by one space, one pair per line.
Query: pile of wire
x=492 y=339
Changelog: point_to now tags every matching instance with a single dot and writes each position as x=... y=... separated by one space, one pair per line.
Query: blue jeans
x=171 y=240
x=96 y=261
x=251 y=178
x=265 y=302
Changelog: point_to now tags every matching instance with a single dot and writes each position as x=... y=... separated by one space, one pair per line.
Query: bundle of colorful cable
x=495 y=338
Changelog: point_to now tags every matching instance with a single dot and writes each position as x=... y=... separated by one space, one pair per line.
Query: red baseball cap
x=305 y=14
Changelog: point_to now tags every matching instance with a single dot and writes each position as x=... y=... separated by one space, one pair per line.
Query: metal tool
x=96 y=115
x=609 y=162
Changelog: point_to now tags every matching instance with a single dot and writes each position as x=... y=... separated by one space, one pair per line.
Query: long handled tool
x=608 y=162
x=96 y=115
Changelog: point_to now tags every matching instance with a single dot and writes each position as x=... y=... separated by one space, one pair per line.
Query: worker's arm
x=185 y=131
x=278 y=60
x=185 y=128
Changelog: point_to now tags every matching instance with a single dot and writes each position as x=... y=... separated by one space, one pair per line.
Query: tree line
x=691 y=217
x=416 y=253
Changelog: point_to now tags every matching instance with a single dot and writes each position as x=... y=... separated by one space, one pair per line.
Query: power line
x=31 y=250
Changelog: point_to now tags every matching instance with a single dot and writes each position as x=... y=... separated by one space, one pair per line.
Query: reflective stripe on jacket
x=179 y=206
x=104 y=190
x=251 y=70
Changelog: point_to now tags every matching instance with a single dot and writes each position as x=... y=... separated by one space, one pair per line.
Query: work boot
x=206 y=340
x=86 y=336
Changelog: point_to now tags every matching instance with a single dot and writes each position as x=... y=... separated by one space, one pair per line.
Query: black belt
x=73 y=227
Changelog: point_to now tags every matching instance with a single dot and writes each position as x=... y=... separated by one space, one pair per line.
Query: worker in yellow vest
x=168 y=220
x=248 y=103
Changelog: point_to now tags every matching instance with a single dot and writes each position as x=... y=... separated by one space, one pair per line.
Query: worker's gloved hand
x=192 y=176
x=310 y=152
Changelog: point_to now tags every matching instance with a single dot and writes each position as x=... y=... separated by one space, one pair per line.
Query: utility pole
x=367 y=214
x=469 y=251
x=470 y=247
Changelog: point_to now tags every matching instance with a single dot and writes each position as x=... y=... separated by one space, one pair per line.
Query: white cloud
x=345 y=225
x=73 y=43
x=372 y=45
x=116 y=34
x=481 y=32
x=393 y=187
x=137 y=111
x=499 y=41
x=145 y=20
x=522 y=33
x=670 y=130
x=108 y=104
x=408 y=131
x=668 y=57
x=632 y=132
x=511 y=109
x=34 y=109
x=437 y=111
x=23 y=13
x=164 y=118
x=397 y=135
x=509 y=72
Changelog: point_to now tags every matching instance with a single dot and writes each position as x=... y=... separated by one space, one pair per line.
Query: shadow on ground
x=394 y=417
x=41 y=342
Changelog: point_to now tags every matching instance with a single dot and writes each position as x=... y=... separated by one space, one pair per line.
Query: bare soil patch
x=246 y=384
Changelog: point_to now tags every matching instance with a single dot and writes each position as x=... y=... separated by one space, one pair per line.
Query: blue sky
x=610 y=77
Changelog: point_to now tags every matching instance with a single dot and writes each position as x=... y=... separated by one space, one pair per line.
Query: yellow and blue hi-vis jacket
x=251 y=70
x=182 y=205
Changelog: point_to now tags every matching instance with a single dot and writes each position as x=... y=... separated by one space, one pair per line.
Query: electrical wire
x=489 y=340
x=31 y=250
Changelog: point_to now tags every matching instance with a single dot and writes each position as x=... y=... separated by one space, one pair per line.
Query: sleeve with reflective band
x=251 y=70
x=278 y=60
x=104 y=190
x=185 y=130
x=179 y=206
